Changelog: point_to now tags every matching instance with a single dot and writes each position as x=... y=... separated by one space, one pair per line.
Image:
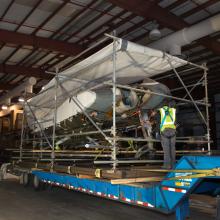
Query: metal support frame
x=76 y=101
x=187 y=91
x=22 y=132
x=54 y=118
x=38 y=123
x=59 y=79
x=207 y=111
x=22 y=140
x=205 y=119
x=114 y=150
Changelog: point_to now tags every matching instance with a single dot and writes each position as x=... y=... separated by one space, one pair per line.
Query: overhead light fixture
x=21 y=99
x=155 y=33
x=4 y=107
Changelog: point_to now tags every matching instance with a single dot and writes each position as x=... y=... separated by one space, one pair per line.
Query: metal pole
x=127 y=161
x=22 y=135
x=54 y=119
x=75 y=134
x=207 y=111
x=41 y=146
x=155 y=140
x=33 y=146
x=114 y=152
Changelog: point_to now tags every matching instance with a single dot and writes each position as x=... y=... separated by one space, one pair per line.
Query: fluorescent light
x=4 y=107
x=21 y=99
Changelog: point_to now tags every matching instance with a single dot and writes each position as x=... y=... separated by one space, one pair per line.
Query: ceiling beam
x=149 y=9
x=198 y=8
x=211 y=44
x=176 y=4
x=6 y=86
x=40 y=42
x=26 y=71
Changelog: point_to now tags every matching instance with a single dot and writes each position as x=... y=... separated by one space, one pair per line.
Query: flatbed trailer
x=202 y=175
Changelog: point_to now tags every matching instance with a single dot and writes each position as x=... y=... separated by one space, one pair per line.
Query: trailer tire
x=1 y=176
x=37 y=183
x=25 y=179
x=21 y=179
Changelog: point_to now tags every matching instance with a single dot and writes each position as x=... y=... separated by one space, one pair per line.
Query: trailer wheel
x=38 y=185
x=25 y=177
x=21 y=179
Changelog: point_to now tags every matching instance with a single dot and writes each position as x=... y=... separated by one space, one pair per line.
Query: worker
x=168 y=134
x=167 y=129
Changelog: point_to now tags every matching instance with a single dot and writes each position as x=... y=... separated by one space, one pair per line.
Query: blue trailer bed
x=167 y=196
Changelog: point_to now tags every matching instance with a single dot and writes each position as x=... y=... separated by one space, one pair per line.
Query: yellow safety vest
x=167 y=118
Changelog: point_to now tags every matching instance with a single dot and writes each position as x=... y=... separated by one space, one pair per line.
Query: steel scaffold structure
x=114 y=139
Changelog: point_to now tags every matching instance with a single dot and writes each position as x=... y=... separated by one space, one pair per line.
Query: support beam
x=175 y=4
x=26 y=71
x=211 y=44
x=6 y=86
x=198 y=8
x=40 y=42
x=149 y=9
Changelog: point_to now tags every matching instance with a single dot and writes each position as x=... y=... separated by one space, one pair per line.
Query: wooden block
x=81 y=176
x=136 y=180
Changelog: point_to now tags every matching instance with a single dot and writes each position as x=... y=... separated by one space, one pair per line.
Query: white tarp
x=133 y=63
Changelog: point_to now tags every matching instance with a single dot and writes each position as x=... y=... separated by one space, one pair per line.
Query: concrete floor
x=19 y=203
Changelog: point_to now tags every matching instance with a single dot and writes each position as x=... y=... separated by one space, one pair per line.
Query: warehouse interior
x=82 y=84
